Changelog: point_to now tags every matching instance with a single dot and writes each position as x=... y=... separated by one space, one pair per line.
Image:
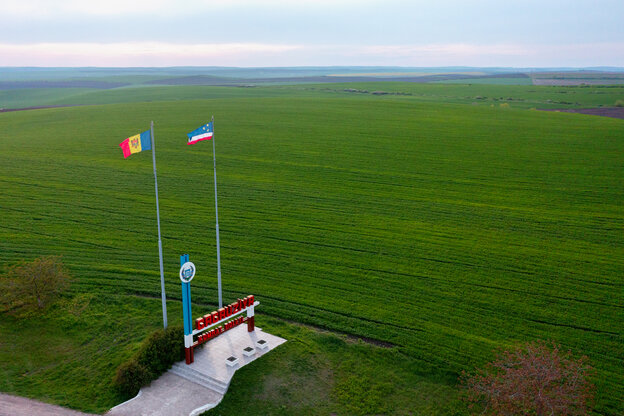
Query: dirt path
x=21 y=406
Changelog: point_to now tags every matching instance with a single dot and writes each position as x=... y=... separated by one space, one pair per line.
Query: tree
x=532 y=379
x=35 y=285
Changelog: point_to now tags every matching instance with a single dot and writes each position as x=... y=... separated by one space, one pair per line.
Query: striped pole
x=188 y=317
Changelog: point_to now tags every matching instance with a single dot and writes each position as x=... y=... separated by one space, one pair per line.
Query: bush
x=130 y=377
x=33 y=286
x=161 y=349
x=155 y=356
x=619 y=103
x=531 y=379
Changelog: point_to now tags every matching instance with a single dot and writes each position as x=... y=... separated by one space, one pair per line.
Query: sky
x=252 y=33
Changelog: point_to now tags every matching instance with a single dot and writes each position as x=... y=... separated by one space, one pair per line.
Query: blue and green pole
x=188 y=316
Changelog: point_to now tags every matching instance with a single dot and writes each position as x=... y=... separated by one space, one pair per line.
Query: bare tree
x=532 y=379
x=34 y=285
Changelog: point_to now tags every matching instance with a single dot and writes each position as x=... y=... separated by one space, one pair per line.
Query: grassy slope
x=447 y=230
x=68 y=354
x=28 y=97
x=71 y=359
x=20 y=98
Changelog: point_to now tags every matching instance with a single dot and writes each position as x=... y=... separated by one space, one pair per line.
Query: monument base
x=193 y=389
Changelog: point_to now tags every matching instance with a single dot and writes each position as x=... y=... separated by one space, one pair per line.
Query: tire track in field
x=532 y=293
x=230 y=231
x=81 y=222
x=316 y=244
x=116 y=196
x=74 y=204
x=525 y=292
x=582 y=328
x=57 y=237
x=368 y=340
x=368 y=251
x=108 y=212
x=133 y=290
x=484 y=312
x=360 y=268
x=447 y=283
x=328 y=246
x=305 y=311
x=302 y=307
x=343 y=314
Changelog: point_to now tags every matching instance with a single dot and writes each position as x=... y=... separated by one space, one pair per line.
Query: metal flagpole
x=214 y=162
x=162 y=276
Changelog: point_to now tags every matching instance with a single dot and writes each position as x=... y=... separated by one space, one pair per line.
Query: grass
x=318 y=373
x=27 y=97
x=467 y=92
x=72 y=358
x=490 y=81
x=444 y=229
x=68 y=354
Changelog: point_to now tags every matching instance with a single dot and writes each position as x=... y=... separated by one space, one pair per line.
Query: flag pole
x=214 y=163
x=160 y=256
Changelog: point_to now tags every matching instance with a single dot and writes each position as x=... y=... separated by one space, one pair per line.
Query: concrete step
x=192 y=372
x=195 y=376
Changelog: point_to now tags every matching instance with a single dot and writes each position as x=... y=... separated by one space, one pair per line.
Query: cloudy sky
x=525 y=33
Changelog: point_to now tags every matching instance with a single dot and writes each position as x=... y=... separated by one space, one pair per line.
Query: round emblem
x=187 y=272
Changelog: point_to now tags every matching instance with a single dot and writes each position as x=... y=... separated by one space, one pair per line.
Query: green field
x=444 y=229
x=464 y=92
x=516 y=96
x=491 y=81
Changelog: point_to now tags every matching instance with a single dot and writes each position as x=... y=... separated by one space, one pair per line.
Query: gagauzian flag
x=203 y=132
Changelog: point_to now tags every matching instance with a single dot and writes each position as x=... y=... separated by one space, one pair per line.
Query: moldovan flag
x=204 y=132
x=136 y=144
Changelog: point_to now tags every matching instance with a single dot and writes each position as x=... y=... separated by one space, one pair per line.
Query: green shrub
x=161 y=349
x=31 y=287
x=130 y=377
x=619 y=103
x=155 y=356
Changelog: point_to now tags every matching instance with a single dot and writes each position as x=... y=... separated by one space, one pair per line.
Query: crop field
x=515 y=96
x=444 y=229
x=471 y=92
x=578 y=78
x=491 y=81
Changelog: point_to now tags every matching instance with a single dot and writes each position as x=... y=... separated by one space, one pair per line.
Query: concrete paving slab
x=210 y=359
x=193 y=389
x=169 y=395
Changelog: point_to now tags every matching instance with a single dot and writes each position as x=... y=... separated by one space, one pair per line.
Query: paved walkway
x=192 y=389
x=21 y=406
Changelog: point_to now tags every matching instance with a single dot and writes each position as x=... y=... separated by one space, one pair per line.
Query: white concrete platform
x=192 y=389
